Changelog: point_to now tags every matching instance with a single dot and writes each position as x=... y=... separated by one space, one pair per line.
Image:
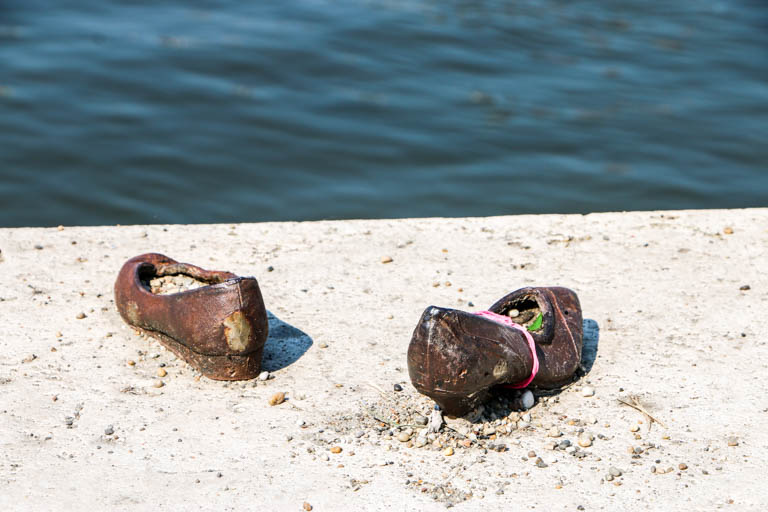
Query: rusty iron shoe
x=456 y=357
x=219 y=328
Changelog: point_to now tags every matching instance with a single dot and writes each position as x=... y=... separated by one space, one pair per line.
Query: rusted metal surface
x=456 y=357
x=220 y=329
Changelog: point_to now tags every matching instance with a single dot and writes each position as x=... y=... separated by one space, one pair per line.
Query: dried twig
x=377 y=388
x=636 y=405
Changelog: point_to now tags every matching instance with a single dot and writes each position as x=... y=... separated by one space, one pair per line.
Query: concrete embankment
x=676 y=307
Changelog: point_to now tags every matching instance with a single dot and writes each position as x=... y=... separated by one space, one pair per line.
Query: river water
x=185 y=112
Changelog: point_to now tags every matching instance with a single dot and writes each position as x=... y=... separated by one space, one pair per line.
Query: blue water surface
x=185 y=112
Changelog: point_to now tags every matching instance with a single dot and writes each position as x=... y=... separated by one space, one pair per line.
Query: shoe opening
x=524 y=311
x=170 y=280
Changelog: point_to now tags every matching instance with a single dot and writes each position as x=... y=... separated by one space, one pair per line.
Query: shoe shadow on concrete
x=589 y=350
x=284 y=346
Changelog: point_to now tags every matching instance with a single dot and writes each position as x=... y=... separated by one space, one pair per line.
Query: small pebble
x=161 y=372
x=682 y=466
x=732 y=441
x=336 y=449
x=403 y=437
x=80 y=316
x=109 y=430
x=158 y=384
x=526 y=400
x=398 y=387
x=585 y=441
x=554 y=432
x=634 y=428
x=131 y=362
x=421 y=420
x=653 y=469
x=616 y=472
x=609 y=477
x=263 y=376
x=745 y=288
x=587 y=391
x=277 y=398
x=421 y=442
x=323 y=345
x=386 y=259
x=728 y=230
x=513 y=313
x=306 y=506
x=531 y=454
x=359 y=434
x=448 y=451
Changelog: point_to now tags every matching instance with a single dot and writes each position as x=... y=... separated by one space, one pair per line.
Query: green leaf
x=536 y=325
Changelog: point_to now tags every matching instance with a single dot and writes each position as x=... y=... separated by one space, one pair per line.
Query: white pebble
x=527 y=417
x=264 y=376
x=526 y=400
x=587 y=391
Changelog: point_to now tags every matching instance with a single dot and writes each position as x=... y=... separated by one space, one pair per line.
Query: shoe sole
x=224 y=367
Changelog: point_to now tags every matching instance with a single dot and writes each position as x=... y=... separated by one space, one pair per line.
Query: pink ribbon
x=505 y=320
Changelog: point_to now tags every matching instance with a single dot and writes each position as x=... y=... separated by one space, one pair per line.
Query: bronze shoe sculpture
x=219 y=327
x=456 y=357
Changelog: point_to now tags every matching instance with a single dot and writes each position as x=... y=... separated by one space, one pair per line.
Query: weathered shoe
x=219 y=327
x=455 y=357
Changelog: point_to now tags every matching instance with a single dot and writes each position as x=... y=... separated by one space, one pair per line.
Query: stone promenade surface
x=676 y=304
